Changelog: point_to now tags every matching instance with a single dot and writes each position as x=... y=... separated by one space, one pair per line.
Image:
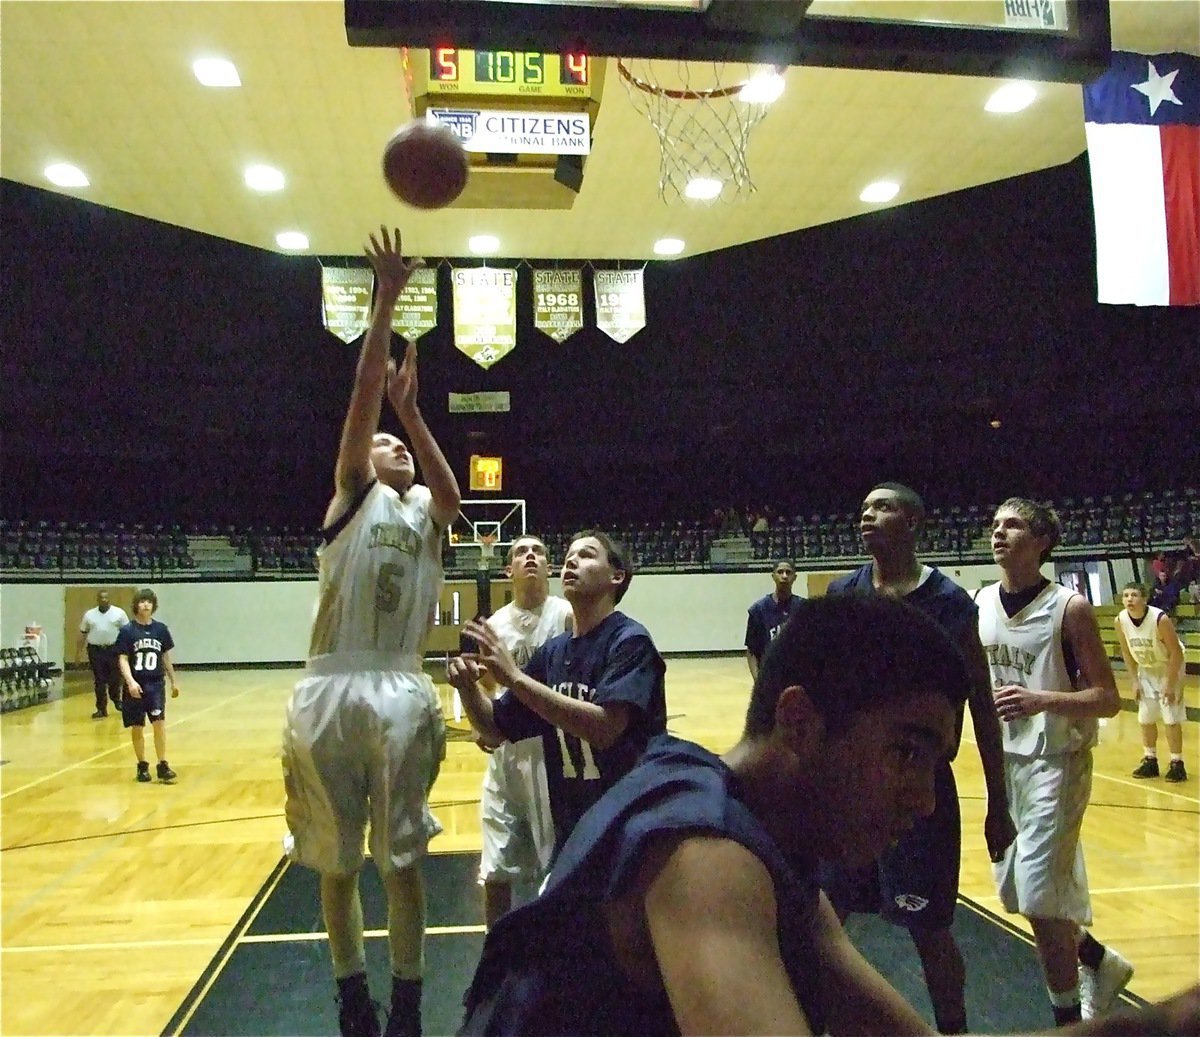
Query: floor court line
x=369 y=934
x=124 y=747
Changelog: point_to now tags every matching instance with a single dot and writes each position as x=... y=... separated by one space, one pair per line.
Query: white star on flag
x=1157 y=88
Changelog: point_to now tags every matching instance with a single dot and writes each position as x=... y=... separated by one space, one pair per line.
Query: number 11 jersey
x=614 y=663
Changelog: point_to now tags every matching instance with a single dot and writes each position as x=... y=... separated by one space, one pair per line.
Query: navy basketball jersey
x=614 y=663
x=764 y=620
x=548 y=967
x=938 y=596
x=145 y=646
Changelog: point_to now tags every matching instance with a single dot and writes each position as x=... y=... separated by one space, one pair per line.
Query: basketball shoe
x=1148 y=768
x=1099 y=987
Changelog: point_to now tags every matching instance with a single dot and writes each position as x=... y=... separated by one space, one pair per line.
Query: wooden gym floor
x=116 y=895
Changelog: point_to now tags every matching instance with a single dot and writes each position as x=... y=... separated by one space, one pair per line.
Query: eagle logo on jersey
x=911 y=902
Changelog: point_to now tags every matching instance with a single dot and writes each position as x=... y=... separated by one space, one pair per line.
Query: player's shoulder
x=851 y=582
x=623 y=628
x=945 y=587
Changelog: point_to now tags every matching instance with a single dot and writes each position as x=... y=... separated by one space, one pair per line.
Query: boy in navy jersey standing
x=765 y=618
x=595 y=696
x=914 y=884
x=144 y=656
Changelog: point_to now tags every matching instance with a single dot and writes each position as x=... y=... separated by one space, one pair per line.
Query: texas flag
x=1143 y=135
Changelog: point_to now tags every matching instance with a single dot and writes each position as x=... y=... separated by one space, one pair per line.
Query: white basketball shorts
x=359 y=746
x=1043 y=875
x=518 y=831
x=1151 y=708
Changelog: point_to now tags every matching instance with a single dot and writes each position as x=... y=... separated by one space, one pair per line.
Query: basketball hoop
x=487 y=549
x=703 y=113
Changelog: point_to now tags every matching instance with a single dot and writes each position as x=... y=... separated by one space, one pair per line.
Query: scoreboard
x=508 y=73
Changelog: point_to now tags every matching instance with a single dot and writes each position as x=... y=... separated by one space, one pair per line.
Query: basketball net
x=487 y=549
x=703 y=120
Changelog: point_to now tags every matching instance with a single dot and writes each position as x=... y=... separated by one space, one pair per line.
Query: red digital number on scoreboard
x=443 y=64
x=573 y=70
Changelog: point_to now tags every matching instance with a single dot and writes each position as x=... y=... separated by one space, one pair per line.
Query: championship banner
x=479 y=403
x=558 y=302
x=346 y=300
x=416 y=309
x=485 y=313
x=620 y=303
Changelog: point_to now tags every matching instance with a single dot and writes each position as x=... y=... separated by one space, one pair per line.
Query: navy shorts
x=152 y=704
x=914 y=883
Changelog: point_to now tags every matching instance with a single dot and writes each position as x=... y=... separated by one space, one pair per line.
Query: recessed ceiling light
x=1011 y=97
x=63 y=174
x=703 y=188
x=761 y=88
x=668 y=246
x=484 y=244
x=880 y=191
x=264 y=178
x=292 y=240
x=216 y=72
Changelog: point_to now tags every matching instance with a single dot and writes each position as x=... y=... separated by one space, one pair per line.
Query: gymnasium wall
x=264 y=622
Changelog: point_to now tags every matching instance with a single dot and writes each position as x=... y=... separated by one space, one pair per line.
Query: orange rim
x=683 y=95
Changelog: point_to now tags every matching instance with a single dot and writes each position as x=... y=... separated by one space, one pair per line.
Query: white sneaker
x=1098 y=988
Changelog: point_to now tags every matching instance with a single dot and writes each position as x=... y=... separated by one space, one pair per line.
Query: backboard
x=1044 y=40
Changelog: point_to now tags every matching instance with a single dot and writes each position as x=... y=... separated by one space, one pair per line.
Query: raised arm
x=596 y=724
x=463 y=674
x=353 y=470
x=402 y=391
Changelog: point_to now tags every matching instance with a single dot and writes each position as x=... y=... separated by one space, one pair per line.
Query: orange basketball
x=425 y=165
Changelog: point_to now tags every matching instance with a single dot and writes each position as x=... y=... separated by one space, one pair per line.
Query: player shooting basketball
x=365 y=734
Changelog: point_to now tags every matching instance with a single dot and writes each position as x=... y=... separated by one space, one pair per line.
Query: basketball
x=425 y=165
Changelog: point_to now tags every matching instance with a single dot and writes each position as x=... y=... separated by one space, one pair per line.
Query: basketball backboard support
x=484 y=530
x=1045 y=40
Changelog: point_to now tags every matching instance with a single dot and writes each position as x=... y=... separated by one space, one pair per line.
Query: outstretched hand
x=402 y=383
x=493 y=655
x=391 y=270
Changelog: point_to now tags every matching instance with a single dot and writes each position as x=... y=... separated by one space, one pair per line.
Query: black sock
x=404 y=1019
x=952 y=1027
x=1066 y=1016
x=1091 y=951
x=353 y=988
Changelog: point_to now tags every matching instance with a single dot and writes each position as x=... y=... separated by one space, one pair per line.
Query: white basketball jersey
x=380 y=578
x=524 y=630
x=1027 y=650
x=1147 y=649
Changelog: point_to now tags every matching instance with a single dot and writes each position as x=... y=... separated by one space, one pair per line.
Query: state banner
x=416 y=309
x=558 y=302
x=485 y=313
x=346 y=300
x=620 y=303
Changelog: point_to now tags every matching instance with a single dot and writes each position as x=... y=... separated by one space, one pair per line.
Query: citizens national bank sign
x=517 y=132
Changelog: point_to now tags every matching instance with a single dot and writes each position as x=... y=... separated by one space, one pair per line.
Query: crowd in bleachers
x=1126 y=524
